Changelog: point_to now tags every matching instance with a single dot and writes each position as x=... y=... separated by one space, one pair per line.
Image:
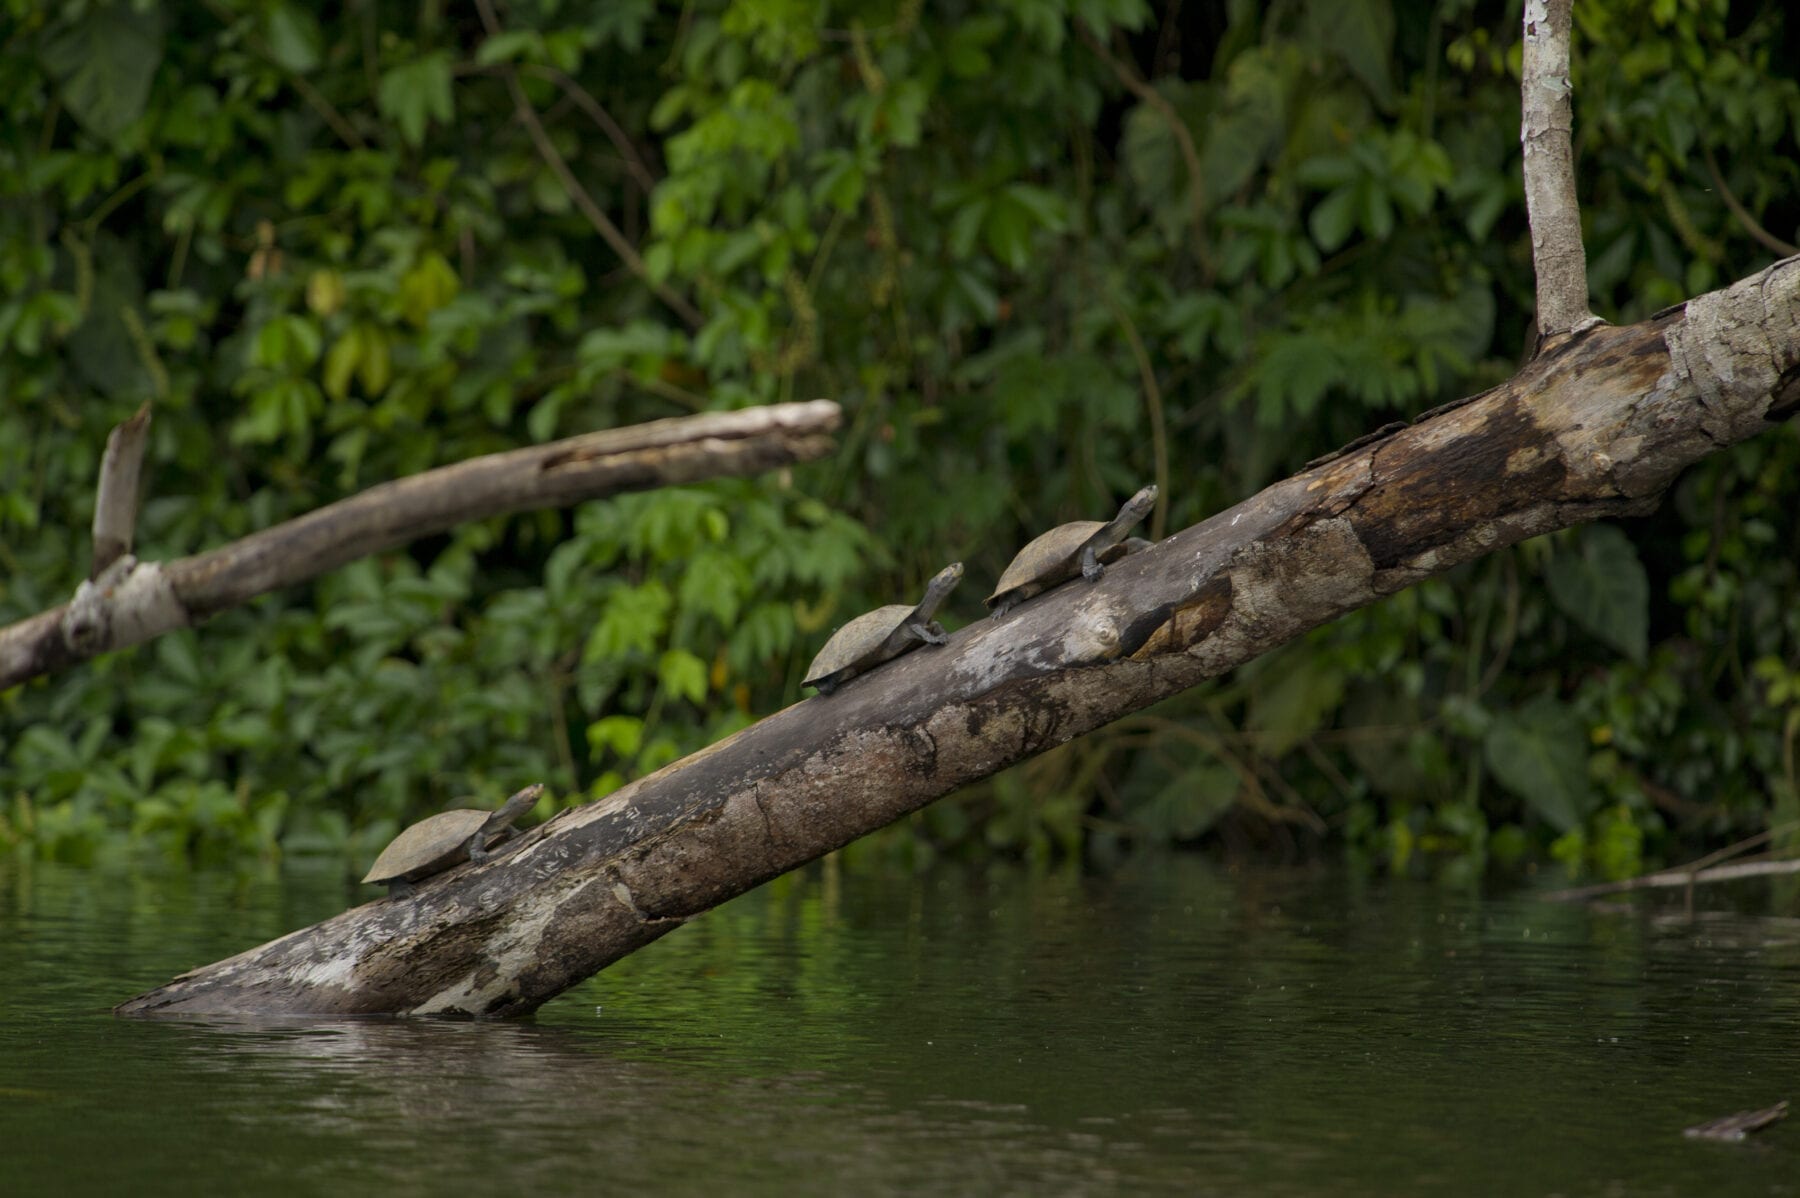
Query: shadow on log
x=1598 y=426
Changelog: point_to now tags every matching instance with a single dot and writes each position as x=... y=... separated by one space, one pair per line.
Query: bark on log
x=135 y=601
x=1599 y=426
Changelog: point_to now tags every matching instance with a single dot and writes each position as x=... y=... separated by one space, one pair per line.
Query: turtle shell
x=430 y=846
x=1051 y=558
x=856 y=644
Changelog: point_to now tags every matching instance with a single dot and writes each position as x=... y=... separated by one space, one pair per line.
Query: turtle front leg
x=932 y=633
x=475 y=847
x=478 y=843
x=1091 y=569
x=400 y=888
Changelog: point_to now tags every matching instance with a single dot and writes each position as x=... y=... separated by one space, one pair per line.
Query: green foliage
x=1539 y=753
x=102 y=62
x=1602 y=587
x=1029 y=246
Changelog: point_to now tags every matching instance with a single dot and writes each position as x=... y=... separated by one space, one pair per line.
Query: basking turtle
x=882 y=635
x=436 y=843
x=1081 y=547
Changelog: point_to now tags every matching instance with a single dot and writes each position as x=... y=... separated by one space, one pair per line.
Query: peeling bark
x=1599 y=426
x=129 y=602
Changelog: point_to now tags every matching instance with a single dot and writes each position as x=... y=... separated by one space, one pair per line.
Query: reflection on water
x=1176 y=1027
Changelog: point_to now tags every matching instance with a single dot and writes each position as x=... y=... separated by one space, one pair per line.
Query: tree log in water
x=1598 y=425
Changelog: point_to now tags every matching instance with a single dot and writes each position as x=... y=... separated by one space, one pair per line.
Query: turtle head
x=499 y=824
x=521 y=802
x=944 y=581
x=938 y=589
x=1139 y=505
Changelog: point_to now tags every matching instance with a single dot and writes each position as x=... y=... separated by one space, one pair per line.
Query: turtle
x=449 y=838
x=1080 y=547
x=882 y=635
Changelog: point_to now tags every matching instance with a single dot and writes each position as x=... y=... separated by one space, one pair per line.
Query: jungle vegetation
x=1042 y=251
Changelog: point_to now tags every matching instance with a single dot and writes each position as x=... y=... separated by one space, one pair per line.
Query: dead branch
x=1680 y=879
x=1597 y=426
x=1732 y=1128
x=133 y=601
x=115 y=504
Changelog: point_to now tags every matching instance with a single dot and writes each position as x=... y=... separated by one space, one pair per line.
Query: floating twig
x=1732 y=1128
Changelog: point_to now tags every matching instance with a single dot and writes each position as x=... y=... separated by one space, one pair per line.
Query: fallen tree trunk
x=128 y=602
x=1597 y=426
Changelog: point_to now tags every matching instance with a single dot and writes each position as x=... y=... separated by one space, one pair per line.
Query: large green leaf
x=1294 y=700
x=1539 y=752
x=294 y=38
x=103 y=64
x=1153 y=157
x=1189 y=803
x=416 y=93
x=1361 y=33
x=1600 y=584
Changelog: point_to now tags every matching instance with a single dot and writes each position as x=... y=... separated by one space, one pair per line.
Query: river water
x=1175 y=1027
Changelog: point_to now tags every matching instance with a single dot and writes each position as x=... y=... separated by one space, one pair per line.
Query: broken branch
x=134 y=601
x=115 y=503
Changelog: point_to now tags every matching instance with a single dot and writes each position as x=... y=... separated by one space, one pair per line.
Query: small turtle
x=882 y=635
x=1081 y=547
x=436 y=843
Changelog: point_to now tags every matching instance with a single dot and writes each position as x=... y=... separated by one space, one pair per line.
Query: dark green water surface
x=1175 y=1028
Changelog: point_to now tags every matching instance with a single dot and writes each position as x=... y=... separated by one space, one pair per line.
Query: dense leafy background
x=1043 y=251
